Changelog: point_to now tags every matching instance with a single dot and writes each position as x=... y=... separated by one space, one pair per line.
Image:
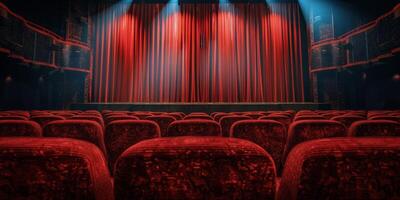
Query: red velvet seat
x=120 y=117
x=309 y=117
x=205 y=117
x=120 y=135
x=270 y=135
x=199 y=113
x=142 y=115
x=195 y=168
x=347 y=120
x=87 y=130
x=285 y=120
x=226 y=123
x=52 y=168
x=163 y=122
x=43 y=120
x=91 y=118
x=302 y=131
x=218 y=116
x=12 y=128
x=392 y=118
x=195 y=127
x=13 y=117
x=343 y=168
x=367 y=128
x=254 y=115
x=177 y=116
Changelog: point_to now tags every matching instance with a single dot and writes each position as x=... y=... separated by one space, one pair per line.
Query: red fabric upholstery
x=306 y=130
x=177 y=116
x=285 y=120
x=43 y=120
x=163 y=122
x=218 y=116
x=254 y=115
x=309 y=117
x=226 y=123
x=347 y=120
x=52 y=168
x=120 y=135
x=195 y=168
x=87 y=130
x=206 y=117
x=141 y=115
x=195 y=127
x=12 y=128
x=392 y=118
x=343 y=168
x=367 y=128
x=120 y=117
x=15 y=117
x=91 y=118
x=270 y=135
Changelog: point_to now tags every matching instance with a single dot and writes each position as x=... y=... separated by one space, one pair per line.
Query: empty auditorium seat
x=91 y=118
x=163 y=122
x=52 y=168
x=11 y=128
x=309 y=117
x=122 y=134
x=285 y=120
x=43 y=120
x=141 y=115
x=120 y=117
x=367 y=128
x=226 y=123
x=343 y=168
x=392 y=118
x=177 y=116
x=270 y=135
x=87 y=130
x=305 y=130
x=218 y=116
x=347 y=120
x=206 y=117
x=195 y=168
x=195 y=127
x=254 y=115
x=15 y=117
x=198 y=113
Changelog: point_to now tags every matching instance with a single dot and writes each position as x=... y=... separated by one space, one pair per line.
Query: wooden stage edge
x=200 y=107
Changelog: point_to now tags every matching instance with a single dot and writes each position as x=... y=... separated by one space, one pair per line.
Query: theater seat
x=195 y=168
x=309 y=117
x=305 y=130
x=87 y=130
x=52 y=168
x=392 y=118
x=120 y=135
x=347 y=120
x=217 y=117
x=343 y=168
x=254 y=115
x=141 y=115
x=270 y=135
x=120 y=117
x=43 y=120
x=13 y=118
x=12 y=128
x=177 y=116
x=226 y=123
x=163 y=122
x=285 y=120
x=367 y=128
x=91 y=118
x=195 y=127
x=206 y=117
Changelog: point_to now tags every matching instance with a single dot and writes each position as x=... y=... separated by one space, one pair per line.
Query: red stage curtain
x=198 y=53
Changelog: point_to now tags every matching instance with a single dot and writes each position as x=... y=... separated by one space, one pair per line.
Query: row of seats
x=199 y=168
x=199 y=139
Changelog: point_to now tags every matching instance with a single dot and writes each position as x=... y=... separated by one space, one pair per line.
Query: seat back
x=43 y=120
x=189 y=117
x=343 y=168
x=120 y=135
x=270 y=135
x=285 y=120
x=195 y=127
x=163 y=122
x=86 y=130
x=306 y=130
x=347 y=120
x=367 y=128
x=12 y=128
x=226 y=123
x=195 y=168
x=52 y=168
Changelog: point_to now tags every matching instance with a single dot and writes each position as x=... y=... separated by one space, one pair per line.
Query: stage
x=200 y=107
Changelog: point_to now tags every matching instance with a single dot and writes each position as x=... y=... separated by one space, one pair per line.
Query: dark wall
x=25 y=86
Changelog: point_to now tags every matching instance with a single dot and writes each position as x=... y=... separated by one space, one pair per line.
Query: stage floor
x=200 y=107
